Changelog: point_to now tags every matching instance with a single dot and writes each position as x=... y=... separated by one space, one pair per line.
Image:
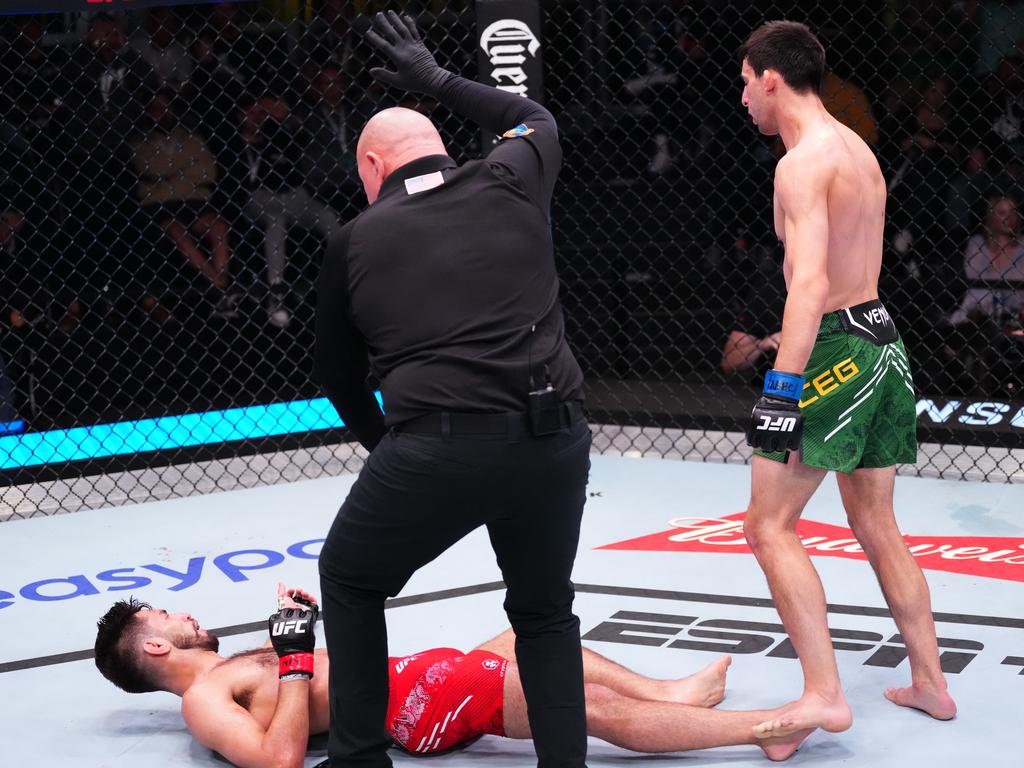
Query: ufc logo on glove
x=281 y=627
x=776 y=423
x=779 y=424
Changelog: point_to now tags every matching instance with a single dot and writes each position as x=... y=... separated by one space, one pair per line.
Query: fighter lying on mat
x=259 y=707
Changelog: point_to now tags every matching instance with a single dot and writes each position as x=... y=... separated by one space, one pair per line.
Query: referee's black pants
x=416 y=496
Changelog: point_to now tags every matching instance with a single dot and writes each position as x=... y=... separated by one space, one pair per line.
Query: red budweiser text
x=995 y=557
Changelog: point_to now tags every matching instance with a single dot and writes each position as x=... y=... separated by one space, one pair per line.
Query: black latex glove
x=398 y=39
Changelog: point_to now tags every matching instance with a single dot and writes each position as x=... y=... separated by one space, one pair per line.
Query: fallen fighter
x=258 y=708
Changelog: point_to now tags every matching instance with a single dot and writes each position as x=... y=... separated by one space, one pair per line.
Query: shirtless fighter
x=258 y=708
x=841 y=397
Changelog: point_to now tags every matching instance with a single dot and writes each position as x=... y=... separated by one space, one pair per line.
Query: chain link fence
x=170 y=177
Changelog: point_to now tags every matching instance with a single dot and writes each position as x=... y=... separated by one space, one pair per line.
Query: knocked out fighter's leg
x=867 y=496
x=658 y=726
x=704 y=688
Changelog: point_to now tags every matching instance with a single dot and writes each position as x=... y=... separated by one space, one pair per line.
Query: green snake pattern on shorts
x=858 y=404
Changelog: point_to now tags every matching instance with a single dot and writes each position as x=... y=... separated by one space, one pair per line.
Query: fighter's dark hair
x=118 y=655
x=791 y=49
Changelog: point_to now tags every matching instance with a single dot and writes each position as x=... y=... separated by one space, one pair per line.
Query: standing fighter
x=841 y=396
x=447 y=283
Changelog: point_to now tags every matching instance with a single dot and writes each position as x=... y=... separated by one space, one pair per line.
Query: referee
x=445 y=289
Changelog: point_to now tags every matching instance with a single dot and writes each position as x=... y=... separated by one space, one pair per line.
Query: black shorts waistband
x=869 y=321
x=509 y=423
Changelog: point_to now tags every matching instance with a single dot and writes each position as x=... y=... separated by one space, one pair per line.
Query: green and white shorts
x=858 y=401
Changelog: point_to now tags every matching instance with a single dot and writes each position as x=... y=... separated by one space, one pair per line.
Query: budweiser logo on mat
x=995 y=557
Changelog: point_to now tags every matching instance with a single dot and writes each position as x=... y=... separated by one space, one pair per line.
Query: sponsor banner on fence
x=971 y=414
x=509 y=51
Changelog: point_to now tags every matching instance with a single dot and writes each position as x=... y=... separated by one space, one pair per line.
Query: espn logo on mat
x=738 y=636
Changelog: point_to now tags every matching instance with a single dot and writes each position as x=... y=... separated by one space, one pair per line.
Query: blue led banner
x=59 y=446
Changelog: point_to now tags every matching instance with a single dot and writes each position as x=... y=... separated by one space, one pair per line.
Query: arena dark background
x=662 y=219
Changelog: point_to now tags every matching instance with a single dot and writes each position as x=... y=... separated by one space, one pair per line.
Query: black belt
x=514 y=422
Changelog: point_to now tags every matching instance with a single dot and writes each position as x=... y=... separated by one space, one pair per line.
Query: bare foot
x=934 y=701
x=811 y=711
x=783 y=747
x=705 y=688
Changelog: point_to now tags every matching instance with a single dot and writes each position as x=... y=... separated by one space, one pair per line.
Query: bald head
x=390 y=139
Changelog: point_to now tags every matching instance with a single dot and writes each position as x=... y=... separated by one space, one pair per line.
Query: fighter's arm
x=742 y=350
x=801 y=186
x=218 y=722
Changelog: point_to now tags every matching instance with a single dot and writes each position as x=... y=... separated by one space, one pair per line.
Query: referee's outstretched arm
x=530 y=158
x=534 y=157
x=531 y=151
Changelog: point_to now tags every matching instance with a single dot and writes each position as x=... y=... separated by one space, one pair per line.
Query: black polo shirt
x=445 y=288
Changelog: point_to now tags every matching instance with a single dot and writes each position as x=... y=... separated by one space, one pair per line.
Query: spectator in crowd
x=918 y=186
x=329 y=36
x=176 y=177
x=1000 y=26
x=267 y=170
x=212 y=93
x=672 y=85
x=994 y=269
x=930 y=45
x=966 y=189
x=981 y=355
x=754 y=336
x=848 y=103
x=100 y=113
x=260 y=58
x=746 y=351
x=932 y=37
x=17 y=281
x=331 y=123
x=33 y=92
x=28 y=227
x=231 y=45
x=15 y=298
x=159 y=46
x=1001 y=108
x=24 y=273
x=32 y=74
x=8 y=412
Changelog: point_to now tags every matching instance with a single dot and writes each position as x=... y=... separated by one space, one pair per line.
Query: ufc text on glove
x=292 y=633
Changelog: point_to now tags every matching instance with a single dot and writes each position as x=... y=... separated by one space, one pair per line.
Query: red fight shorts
x=442 y=698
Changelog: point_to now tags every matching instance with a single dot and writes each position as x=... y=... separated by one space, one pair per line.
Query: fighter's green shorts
x=858 y=402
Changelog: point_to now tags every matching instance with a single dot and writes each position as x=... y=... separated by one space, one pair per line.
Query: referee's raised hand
x=415 y=67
